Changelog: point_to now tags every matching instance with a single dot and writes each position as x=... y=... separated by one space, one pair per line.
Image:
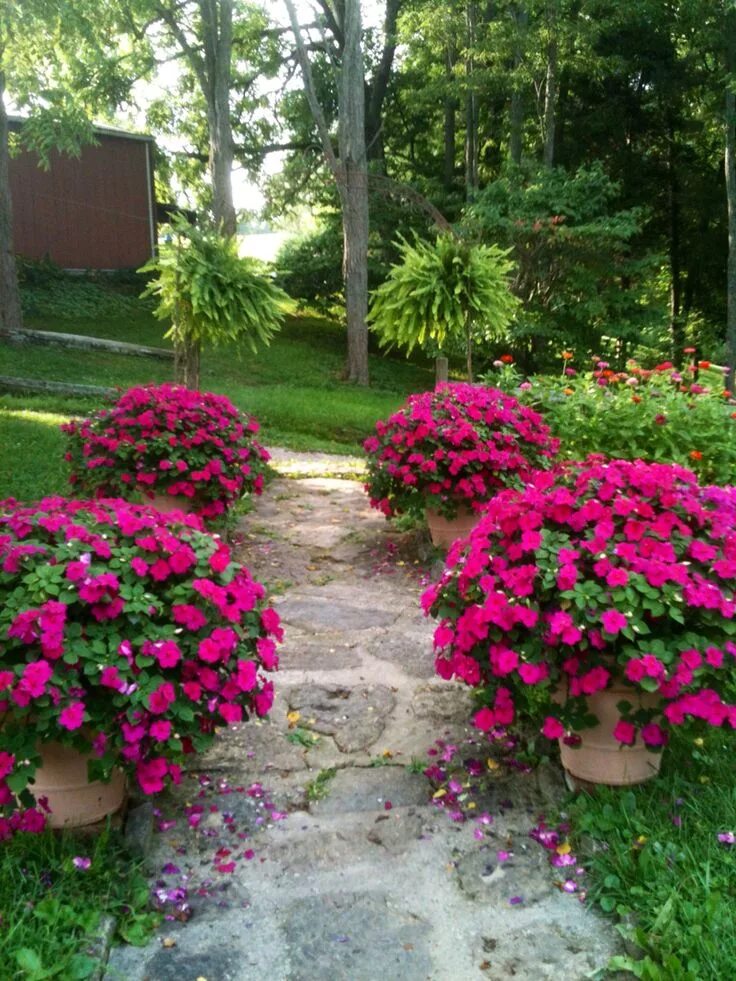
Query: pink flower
x=553 y=728
x=653 y=735
x=189 y=616
x=613 y=621
x=72 y=716
x=247 y=675
x=624 y=732
x=160 y=730
x=35 y=677
x=151 y=774
x=110 y=678
x=230 y=712
x=532 y=674
x=160 y=699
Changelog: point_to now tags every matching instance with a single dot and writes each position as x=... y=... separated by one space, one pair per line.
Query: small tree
x=442 y=293
x=211 y=295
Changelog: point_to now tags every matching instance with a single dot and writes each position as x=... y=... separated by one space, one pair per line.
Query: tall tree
x=223 y=48
x=358 y=129
x=730 y=167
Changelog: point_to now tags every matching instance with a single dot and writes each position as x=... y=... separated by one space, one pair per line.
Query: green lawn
x=655 y=861
x=294 y=388
x=51 y=910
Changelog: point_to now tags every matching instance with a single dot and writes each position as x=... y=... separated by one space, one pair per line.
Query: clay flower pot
x=602 y=759
x=166 y=503
x=74 y=800
x=444 y=531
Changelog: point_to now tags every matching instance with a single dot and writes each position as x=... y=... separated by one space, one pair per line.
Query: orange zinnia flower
x=507 y=358
x=696 y=455
x=569 y=391
x=703 y=364
x=636 y=398
x=567 y=355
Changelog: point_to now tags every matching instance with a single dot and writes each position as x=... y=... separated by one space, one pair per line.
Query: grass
x=656 y=862
x=51 y=911
x=319 y=788
x=294 y=388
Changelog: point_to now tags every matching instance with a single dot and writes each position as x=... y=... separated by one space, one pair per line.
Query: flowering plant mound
x=456 y=445
x=609 y=571
x=167 y=439
x=124 y=633
x=661 y=414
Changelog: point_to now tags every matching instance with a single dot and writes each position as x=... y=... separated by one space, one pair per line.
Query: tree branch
x=311 y=92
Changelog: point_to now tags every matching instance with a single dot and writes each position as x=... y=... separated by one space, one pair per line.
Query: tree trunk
x=10 y=310
x=354 y=193
x=469 y=349
x=730 y=167
x=471 y=107
x=376 y=91
x=516 y=111
x=550 y=101
x=450 y=124
x=187 y=357
x=218 y=38
x=677 y=327
x=440 y=370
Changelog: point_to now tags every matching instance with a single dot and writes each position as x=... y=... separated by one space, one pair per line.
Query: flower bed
x=126 y=634
x=610 y=571
x=457 y=445
x=661 y=414
x=168 y=440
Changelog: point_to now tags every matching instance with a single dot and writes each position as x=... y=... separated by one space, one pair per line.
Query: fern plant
x=442 y=293
x=211 y=295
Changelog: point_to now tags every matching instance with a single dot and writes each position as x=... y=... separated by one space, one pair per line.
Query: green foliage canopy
x=211 y=294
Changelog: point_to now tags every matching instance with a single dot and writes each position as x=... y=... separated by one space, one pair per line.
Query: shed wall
x=90 y=212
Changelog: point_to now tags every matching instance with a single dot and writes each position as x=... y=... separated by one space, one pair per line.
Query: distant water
x=262 y=245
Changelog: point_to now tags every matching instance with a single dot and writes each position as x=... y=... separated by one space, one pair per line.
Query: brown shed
x=95 y=211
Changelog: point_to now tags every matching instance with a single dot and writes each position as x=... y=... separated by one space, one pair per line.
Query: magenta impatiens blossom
x=600 y=574
x=166 y=439
x=457 y=445
x=121 y=661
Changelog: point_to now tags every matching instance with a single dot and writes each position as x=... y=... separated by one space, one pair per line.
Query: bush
x=309 y=268
x=608 y=571
x=128 y=635
x=456 y=445
x=168 y=440
x=657 y=415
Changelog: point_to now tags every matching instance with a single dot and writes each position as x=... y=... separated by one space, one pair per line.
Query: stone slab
x=370 y=789
x=355 y=937
x=355 y=716
x=337 y=606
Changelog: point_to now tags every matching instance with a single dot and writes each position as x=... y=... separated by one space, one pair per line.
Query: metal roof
x=97 y=129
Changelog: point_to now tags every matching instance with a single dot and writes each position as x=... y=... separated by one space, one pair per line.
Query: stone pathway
x=307 y=847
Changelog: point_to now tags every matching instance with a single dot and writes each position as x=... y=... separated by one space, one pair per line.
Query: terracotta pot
x=73 y=799
x=602 y=759
x=444 y=532
x=166 y=503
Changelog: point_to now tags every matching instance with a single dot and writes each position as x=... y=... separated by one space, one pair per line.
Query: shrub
x=127 y=634
x=457 y=445
x=613 y=570
x=444 y=296
x=211 y=295
x=168 y=440
x=659 y=415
